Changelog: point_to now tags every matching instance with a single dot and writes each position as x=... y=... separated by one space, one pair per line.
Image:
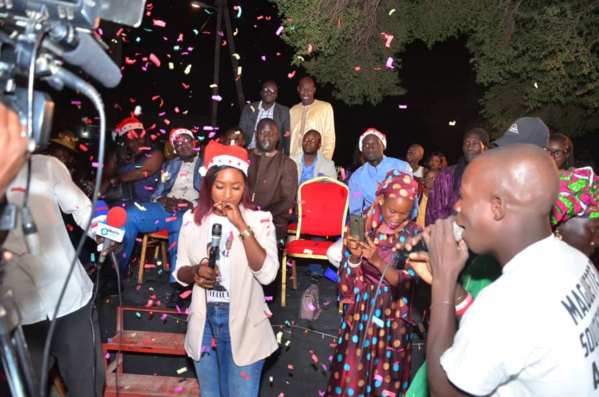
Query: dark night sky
x=440 y=82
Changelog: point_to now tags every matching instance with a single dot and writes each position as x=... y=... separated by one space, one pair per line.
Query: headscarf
x=396 y=184
x=578 y=196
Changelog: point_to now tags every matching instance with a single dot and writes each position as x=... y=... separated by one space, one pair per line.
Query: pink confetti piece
x=310 y=48
x=378 y=377
x=263 y=58
x=159 y=23
x=217 y=98
x=179 y=388
x=268 y=298
x=311 y=306
x=314 y=358
x=76 y=103
x=164 y=317
x=290 y=75
x=357 y=194
x=403 y=107
x=387 y=393
x=185 y=294
x=280 y=30
x=172 y=246
x=244 y=375
x=150 y=303
x=388 y=39
x=290 y=367
x=95 y=164
x=389 y=63
x=171 y=219
x=320 y=393
x=155 y=60
x=107 y=356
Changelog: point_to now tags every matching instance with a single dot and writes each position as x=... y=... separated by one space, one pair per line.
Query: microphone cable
x=365 y=330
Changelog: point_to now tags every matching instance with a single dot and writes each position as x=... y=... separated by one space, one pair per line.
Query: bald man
x=533 y=332
x=311 y=114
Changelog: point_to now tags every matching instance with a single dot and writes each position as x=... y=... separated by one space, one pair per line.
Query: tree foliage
x=534 y=57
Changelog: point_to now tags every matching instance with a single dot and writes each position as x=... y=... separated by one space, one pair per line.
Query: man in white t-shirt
x=535 y=330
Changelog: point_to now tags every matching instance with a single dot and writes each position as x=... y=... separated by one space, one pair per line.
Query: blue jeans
x=217 y=373
x=148 y=221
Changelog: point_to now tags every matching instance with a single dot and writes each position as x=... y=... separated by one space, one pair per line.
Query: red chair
x=322 y=208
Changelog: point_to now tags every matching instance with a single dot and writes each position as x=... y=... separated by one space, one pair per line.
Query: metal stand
x=15 y=356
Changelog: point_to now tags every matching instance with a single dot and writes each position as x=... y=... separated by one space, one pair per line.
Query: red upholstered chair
x=322 y=208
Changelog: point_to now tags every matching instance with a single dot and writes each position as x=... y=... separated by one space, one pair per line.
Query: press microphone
x=80 y=49
x=216 y=235
x=100 y=213
x=403 y=254
x=112 y=229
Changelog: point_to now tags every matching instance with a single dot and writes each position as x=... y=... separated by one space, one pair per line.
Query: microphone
x=402 y=255
x=100 y=213
x=112 y=229
x=216 y=234
x=83 y=50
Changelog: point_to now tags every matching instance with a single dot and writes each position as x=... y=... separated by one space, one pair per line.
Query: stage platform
x=300 y=367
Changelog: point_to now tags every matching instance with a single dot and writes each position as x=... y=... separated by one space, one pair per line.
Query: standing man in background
x=312 y=114
x=266 y=108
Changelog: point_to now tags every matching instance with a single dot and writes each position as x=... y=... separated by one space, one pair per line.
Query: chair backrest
x=323 y=203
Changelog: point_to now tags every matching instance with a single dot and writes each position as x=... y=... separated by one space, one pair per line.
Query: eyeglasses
x=267 y=90
x=555 y=153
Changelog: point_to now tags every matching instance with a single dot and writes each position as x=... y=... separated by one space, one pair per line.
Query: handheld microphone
x=83 y=50
x=402 y=255
x=216 y=235
x=100 y=213
x=112 y=229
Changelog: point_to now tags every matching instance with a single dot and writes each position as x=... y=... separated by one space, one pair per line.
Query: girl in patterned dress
x=373 y=359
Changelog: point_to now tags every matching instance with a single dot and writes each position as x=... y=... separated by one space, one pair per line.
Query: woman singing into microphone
x=228 y=305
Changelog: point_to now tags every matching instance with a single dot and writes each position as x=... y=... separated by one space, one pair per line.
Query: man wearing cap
x=311 y=114
x=266 y=108
x=364 y=182
x=311 y=164
x=176 y=192
x=272 y=177
x=525 y=130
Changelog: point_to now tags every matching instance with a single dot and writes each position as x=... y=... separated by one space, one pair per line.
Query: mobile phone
x=356 y=227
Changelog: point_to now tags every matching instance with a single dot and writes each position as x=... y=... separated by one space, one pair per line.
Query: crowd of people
x=512 y=308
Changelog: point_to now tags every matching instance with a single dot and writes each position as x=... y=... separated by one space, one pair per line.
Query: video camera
x=38 y=36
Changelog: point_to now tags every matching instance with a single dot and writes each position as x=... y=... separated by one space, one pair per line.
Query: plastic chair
x=161 y=235
x=322 y=208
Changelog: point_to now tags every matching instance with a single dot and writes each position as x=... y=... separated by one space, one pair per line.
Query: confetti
x=389 y=63
x=392 y=11
x=380 y=323
x=181 y=370
x=280 y=30
x=154 y=59
x=217 y=98
x=185 y=294
x=159 y=23
x=245 y=376
x=452 y=123
x=403 y=107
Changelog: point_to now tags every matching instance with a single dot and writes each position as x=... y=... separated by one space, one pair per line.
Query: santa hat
x=177 y=132
x=373 y=131
x=217 y=154
x=128 y=124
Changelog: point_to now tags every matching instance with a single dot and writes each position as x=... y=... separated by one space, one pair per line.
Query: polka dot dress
x=374 y=361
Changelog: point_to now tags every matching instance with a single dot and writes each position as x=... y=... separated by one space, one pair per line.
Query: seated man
x=310 y=163
x=272 y=177
x=364 y=182
x=176 y=192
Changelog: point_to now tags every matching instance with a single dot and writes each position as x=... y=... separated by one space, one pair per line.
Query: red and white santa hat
x=177 y=132
x=373 y=131
x=128 y=124
x=217 y=154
